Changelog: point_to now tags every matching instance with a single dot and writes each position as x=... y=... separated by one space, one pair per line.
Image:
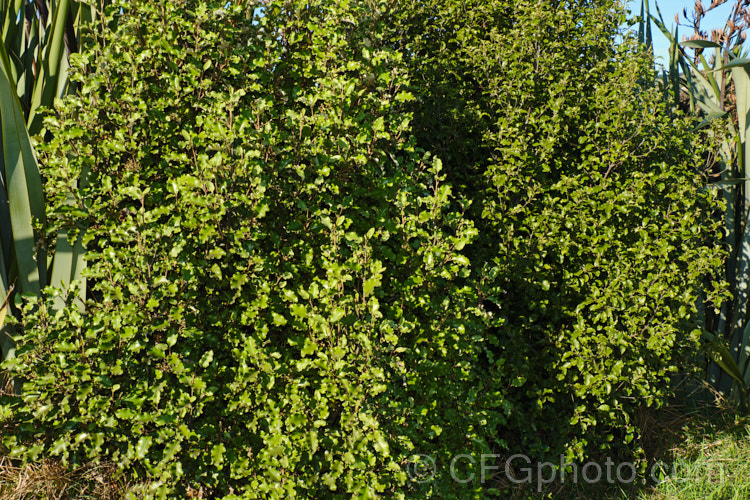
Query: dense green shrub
x=593 y=227
x=327 y=238
x=278 y=299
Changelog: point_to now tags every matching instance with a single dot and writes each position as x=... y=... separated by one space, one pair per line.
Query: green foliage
x=36 y=39
x=596 y=236
x=279 y=304
x=332 y=236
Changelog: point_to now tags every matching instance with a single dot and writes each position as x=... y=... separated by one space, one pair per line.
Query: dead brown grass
x=49 y=480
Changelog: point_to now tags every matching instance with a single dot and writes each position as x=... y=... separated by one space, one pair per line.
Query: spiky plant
x=37 y=40
x=716 y=89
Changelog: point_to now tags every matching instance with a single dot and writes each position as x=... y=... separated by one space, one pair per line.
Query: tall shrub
x=277 y=303
x=331 y=236
x=595 y=232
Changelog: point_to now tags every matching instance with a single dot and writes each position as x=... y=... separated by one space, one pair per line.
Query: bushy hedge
x=325 y=237
x=594 y=226
x=278 y=297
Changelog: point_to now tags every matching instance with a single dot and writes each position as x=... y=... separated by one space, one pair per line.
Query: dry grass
x=48 y=480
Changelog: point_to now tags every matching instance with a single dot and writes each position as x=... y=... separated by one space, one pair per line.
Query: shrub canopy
x=325 y=237
x=596 y=236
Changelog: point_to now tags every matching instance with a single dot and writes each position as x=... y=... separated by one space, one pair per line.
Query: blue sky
x=715 y=19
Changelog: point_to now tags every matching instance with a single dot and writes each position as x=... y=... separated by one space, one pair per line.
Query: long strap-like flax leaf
x=36 y=41
x=706 y=94
x=22 y=195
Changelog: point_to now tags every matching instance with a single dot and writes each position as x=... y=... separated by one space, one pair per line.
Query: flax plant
x=37 y=40
x=716 y=89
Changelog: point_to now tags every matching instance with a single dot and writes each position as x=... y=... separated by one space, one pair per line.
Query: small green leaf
x=144 y=443
x=309 y=347
x=299 y=310
x=217 y=455
x=339 y=312
x=278 y=319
